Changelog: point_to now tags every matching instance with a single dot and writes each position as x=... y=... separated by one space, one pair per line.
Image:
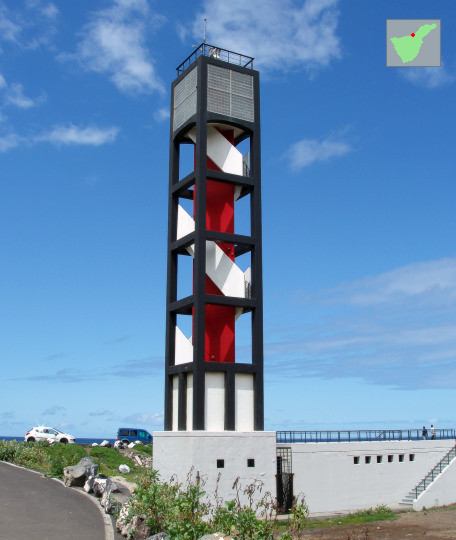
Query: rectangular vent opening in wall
x=356 y=460
x=220 y=464
x=411 y=457
x=390 y=458
x=250 y=462
x=401 y=458
x=367 y=459
x=379 y=459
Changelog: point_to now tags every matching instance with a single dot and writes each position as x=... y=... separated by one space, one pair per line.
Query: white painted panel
x=214 y=414
x=184 y=454
x=175 y=400
x=185 y=224
x=184 y=348
x=332 y=482
x=189 y=401
x=226 y=156
x=228 y=277
x=243 y=384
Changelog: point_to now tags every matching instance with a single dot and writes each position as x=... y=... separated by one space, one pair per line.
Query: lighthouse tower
x=214 y=414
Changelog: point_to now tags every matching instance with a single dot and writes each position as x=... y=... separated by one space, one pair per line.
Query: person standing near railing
x=432 y=432
x=424 y=433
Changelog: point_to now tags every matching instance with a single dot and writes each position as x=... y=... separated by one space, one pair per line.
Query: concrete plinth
x=219 y=458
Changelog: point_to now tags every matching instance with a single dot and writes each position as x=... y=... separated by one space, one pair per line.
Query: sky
x=358 y=195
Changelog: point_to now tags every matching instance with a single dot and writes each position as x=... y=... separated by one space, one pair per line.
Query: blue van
x=128 y=435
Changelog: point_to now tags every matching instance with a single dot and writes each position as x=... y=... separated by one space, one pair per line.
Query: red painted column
x=220 y=320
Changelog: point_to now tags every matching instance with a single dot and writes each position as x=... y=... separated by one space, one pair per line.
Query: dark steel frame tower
x=214 y=87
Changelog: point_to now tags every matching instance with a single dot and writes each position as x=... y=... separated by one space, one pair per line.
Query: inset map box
x=413 y=42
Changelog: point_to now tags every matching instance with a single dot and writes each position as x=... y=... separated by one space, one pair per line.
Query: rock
x=93 y=484
x=119 y=444
x=142 y=460
x=94 y=444
x=106 y=444
x=138 y=442
x=142 y=531
x=132 y=445
x=114 y=496
x=77 y=474
x=121 y=480
x=124 y=469
x=128 y=528
x=122 y=517
x=99 y=486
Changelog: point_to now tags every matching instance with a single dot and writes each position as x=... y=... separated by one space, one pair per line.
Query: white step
x=183 y=348
x=224 y=272
x=226 y=156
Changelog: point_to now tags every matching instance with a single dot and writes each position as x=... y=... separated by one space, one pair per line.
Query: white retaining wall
x=441 y=492
x=331 y=482
x=178 y=453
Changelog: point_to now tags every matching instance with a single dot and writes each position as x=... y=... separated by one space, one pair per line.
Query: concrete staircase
x=408 y=500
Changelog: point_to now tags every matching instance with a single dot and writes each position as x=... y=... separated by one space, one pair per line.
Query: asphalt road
x=33 y=507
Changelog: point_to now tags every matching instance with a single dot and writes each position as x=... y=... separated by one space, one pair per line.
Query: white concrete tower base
x=178 y=453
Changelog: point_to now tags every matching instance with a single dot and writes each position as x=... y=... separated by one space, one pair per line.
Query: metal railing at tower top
x=361 y=435
x=216 y=52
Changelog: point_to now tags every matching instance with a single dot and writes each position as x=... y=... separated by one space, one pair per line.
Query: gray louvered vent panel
x=230 y=93
x=184 y=100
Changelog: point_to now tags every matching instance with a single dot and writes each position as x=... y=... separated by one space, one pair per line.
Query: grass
x=40 y=456
x=379 y=513
x=51 y=460
x=109 y=460
x=144 y=449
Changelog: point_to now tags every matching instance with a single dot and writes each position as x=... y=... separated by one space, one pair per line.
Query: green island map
x=408 y=47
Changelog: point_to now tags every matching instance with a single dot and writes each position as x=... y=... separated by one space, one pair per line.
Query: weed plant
x=183 y=511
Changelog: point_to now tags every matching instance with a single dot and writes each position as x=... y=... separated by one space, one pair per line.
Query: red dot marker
x=413 y=34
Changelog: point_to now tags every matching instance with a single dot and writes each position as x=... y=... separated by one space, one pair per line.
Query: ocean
x=82 y=440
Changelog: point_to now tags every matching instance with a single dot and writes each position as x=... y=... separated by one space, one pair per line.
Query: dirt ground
x=431 y=525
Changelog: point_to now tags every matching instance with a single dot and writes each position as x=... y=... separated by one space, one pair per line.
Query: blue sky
x=358 y=211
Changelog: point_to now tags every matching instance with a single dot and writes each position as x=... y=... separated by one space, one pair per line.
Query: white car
x=42 y=433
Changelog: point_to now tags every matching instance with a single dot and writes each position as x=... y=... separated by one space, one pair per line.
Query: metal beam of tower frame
x=197 y=105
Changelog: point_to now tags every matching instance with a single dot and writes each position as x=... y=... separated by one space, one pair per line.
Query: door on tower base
x=284 y=481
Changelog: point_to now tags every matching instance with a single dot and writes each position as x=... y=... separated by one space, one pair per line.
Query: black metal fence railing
x=215 y=52
x=361 y=435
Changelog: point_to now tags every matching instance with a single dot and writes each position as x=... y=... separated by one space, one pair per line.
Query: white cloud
x=144 y=419
x=55 y=409
x=47 y=9
x=308 y=151
x=101 y=412
x=9 y=141
x=162 y=114
x=280 y=34
x=430 y=281
x=9 y=30
x=92 y=136
x=14 y=95
x=396 y=329
x=114 y=42
x=429 y=77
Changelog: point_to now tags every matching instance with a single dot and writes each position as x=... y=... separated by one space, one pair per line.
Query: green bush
x=109 y=459
x=41 y=456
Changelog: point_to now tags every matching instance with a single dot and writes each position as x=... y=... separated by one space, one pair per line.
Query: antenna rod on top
x=204 y=38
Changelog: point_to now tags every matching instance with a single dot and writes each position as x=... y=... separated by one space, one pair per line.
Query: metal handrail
x=359 y=435
x=215 y=52
x=432 y=475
